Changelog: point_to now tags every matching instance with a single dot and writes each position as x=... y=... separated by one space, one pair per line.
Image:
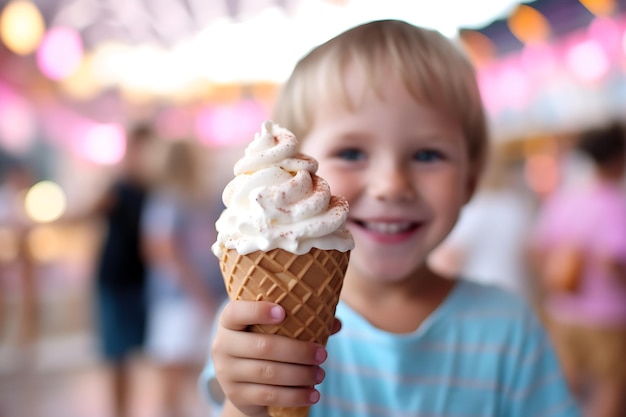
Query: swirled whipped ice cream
x=276 y=200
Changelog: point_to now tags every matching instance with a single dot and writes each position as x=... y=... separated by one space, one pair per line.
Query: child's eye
x=428 y=155
x=351 y=154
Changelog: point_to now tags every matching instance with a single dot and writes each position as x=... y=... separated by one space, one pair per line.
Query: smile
x=388 y=228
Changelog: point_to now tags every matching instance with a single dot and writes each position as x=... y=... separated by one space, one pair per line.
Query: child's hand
x=256 y=370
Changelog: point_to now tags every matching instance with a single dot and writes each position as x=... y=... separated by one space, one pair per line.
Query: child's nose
x=393 y=183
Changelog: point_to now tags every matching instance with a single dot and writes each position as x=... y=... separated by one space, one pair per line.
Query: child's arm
x=257 y=370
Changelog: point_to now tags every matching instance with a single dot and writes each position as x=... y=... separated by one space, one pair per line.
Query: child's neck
x=399 y=307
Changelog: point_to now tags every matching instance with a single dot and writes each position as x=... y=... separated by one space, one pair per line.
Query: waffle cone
x=306 y=286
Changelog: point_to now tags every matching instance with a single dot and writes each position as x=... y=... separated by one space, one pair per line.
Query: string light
x=21 y=27
x=528 y=24
x=60 y=53
x=45 y=202
x=600 y=7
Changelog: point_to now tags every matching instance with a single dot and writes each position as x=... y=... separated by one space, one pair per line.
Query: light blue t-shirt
x=482 y=353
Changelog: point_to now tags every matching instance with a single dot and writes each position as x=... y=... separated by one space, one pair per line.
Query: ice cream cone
x=306 y=286
x=289 y=411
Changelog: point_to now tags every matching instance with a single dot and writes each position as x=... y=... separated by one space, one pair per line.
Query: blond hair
x=434 y=71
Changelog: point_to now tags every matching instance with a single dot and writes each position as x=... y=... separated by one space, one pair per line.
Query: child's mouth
x=388 y=228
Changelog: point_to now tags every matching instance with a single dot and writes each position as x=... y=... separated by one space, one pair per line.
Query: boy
x=393 y=115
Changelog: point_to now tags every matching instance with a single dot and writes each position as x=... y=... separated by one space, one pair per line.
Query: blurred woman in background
x=185 y=284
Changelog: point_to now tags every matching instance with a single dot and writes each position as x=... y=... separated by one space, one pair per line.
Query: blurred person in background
x=185 y=283
x=579 y=251
x=16 y=260
x=120 y=276
x=489 y=243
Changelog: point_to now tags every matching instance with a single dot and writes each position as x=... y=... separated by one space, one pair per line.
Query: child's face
x=404 y=169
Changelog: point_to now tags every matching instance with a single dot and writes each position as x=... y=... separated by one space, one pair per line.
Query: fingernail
x=277 y=313
x=320 y=355
x=319 y=375
x=314 y=397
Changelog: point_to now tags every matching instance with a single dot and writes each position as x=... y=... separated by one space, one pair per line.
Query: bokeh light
x=229 y=125
x=45 y=243
x=109 y=61
x=606 y=32
x=489 y=89
x=538 y=60
x=60 y=53
x=599 y=7
x=479 y=47
x=81 y=84
x=21 y=27
x=102 y=143
x=587 y=61
x=529 y=25
x=514 y=86
x=17 y=122
x=45 y=202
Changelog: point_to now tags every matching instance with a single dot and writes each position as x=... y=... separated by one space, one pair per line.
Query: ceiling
x=164 y=22
x=167 y=22
x=564 y=17
x=166 y=42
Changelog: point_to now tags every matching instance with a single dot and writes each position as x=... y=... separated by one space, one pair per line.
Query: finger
x=269 y=347
x=271 y=395
x=336 y=326
x=238 y=315
x=276 y=373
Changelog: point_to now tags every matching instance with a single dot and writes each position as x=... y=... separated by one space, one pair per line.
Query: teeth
x=388 y=228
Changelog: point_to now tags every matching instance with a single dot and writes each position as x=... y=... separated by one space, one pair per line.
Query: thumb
x=239 y=314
